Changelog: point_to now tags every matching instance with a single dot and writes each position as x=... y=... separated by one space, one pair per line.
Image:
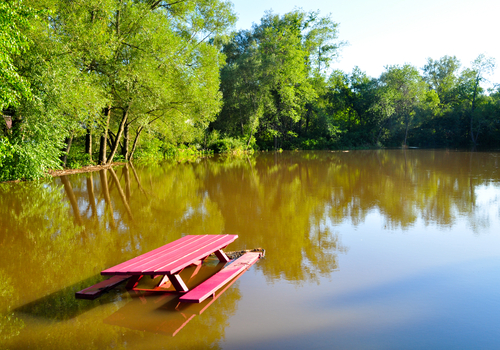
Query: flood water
x=388 y=249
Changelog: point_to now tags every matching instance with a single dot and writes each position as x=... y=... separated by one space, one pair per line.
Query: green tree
x=176 y=83
x=269 y=81
x=442 y=76
x=14 y=17
x=471 y=91
x=403 y=90
x=242 y=93
x=113 y=68
x=349 y=108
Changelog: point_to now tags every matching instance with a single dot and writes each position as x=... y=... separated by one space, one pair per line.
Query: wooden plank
x=189 y=254
x=167 y=254
x=96 y=290
x=158 y=252
x=186 y=258
x=199 y=308
x=166 y=257
x=211 y=285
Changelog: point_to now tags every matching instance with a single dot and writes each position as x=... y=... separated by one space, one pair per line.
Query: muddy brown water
x=364 y=249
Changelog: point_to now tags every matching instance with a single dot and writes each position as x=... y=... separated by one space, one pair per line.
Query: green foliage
x=30 y=157
x=269 y=80
x=85 y=57
x=155 y=151
x=78 y=68
x=78 y=160
x=441 y=77
x=314 y=144
x=234 y=145
x=6 y=159
x=14 y=17
x=403 y=91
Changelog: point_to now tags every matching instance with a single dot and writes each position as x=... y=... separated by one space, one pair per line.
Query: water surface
x=364 y=249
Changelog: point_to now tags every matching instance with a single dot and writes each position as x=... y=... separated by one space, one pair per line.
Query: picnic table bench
x=170 y=260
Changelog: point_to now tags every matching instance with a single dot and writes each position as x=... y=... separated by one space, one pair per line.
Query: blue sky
x=390 y=32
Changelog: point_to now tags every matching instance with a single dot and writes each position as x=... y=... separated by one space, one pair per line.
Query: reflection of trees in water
x=272 y=203
x=279 y=201
x=406 y=185
x=55 y=235
x=119 y=320
x=36 y=236
x=10 y=325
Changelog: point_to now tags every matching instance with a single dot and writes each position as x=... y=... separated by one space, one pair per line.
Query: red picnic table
x=169 y=260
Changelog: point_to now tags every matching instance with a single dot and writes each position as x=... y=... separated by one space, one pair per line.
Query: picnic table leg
x=196 y=270
x=222 y=256
x=133 y=281
x=164 y=282
x=178 y=283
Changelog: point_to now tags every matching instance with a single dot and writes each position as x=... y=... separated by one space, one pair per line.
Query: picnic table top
x=172 y=257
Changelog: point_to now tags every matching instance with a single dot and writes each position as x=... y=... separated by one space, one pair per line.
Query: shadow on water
x=62 y=305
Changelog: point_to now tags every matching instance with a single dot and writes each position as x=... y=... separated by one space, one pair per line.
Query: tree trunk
x=249 y=138
x=119 y=134
x=104 y=138
x=407 y=122
x=134 y=145
x=88 y=143
x=102 y=150
x=473 y=107
x=111 y=139
x=68 y=141
x=308 y=114
x=125 y=142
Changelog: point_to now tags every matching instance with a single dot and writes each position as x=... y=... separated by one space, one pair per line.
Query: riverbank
x=84 y=169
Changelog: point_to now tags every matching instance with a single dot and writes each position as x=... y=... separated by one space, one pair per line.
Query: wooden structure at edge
x=169 y=260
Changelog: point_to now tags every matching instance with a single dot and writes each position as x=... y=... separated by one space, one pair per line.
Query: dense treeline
x=106 y=73
x=95 y=81
x=277 y=94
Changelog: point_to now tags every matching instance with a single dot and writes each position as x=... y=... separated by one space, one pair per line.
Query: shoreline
x=85 y=169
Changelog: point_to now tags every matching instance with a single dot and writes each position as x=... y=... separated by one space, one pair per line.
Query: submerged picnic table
x=169 y=260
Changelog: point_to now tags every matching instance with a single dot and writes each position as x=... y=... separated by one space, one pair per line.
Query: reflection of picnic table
x=170 y=260
x=163 y=313
x=155 y=314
